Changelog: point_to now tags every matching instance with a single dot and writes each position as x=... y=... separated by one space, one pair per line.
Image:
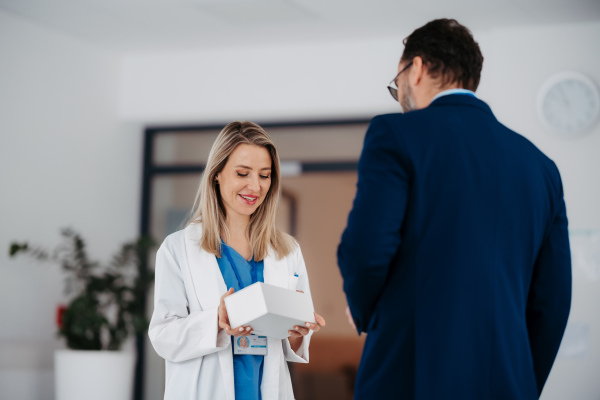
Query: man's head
x=438 y=56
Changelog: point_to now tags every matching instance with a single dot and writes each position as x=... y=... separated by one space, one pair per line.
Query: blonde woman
x=230 y=242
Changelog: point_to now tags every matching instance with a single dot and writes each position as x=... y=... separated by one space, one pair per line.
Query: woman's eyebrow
x=247 y=167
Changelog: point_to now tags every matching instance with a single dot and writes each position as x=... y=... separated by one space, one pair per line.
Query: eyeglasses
x=394 y=89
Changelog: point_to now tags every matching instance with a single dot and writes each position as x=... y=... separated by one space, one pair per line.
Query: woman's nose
x=254 y=184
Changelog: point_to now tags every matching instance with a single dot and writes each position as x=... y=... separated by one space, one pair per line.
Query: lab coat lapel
x=275 y=272
x=206 y=275
x=209 y=286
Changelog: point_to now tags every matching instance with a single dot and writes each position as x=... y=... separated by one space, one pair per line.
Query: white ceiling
x=167 y=25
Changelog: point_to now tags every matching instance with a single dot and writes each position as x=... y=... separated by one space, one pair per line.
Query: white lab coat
x=183 y=328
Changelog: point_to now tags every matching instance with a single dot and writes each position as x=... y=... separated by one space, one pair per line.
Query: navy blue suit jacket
x=456 y=257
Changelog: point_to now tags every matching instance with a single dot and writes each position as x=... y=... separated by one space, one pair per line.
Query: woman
x=230 y=242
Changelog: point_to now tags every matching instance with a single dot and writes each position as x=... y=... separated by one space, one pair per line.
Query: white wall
x=264 y=82
x=329 y=80
x=521 y=60
x=65 y=160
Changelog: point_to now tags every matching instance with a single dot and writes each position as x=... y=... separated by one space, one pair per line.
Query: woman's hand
x=298 y=333
x=224 y=319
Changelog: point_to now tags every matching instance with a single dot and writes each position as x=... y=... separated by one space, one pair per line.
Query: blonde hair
x=209 y=209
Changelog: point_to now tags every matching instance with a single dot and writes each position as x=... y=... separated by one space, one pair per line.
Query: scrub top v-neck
x=247 y=369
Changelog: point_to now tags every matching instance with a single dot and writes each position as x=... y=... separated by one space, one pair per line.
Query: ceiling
x=168 y=25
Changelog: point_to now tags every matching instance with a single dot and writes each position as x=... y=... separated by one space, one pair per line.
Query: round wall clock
x=569 y=104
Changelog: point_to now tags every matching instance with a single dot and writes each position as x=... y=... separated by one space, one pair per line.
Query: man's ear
x=418 y=71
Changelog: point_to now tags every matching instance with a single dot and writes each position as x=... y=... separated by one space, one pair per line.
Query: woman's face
x=245 y=180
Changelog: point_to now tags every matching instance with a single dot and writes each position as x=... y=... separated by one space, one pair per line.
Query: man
x=456 y=256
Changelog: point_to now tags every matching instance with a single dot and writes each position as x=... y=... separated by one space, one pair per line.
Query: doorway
x=319 y=161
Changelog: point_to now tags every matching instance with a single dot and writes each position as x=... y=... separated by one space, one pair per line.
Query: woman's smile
x=249 y=199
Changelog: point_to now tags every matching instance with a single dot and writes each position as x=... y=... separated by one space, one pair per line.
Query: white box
x=270 y=310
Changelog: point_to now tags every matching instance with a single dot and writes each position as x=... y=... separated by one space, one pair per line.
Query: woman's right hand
x=224 y=319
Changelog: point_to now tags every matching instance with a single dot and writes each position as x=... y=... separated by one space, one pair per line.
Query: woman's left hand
x=300 y=331
x=297 y=334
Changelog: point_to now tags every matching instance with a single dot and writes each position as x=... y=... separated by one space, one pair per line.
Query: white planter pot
x=91 y=375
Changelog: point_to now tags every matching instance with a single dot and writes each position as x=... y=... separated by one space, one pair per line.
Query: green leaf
x=16 y=247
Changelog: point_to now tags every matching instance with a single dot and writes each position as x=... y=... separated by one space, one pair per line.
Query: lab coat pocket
x=293 y=281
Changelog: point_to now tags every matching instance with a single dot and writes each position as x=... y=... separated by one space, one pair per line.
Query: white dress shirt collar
x=454 y=91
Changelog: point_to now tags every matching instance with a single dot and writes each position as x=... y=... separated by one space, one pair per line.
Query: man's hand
x=350 y=319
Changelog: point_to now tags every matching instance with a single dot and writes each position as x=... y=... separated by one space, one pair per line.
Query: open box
x=270 y=310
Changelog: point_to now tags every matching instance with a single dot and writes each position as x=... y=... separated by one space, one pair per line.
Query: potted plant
x=106 y=306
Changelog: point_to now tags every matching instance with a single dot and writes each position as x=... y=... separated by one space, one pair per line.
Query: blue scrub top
x=247 y=369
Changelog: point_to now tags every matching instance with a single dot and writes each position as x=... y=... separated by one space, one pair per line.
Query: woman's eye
x=265 y=176
x=242 y=175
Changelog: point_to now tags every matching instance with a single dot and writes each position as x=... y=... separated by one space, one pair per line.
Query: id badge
x=252 y=344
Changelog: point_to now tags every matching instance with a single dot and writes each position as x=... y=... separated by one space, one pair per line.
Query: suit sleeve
x=549 y=298
x=175 y=333
x=372 y=236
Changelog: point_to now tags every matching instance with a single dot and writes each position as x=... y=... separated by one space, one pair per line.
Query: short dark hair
x=447 y=49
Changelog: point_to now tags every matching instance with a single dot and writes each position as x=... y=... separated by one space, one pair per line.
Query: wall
x=65 y=160
x=347 y=80
x=521 y=61
x=265 y=82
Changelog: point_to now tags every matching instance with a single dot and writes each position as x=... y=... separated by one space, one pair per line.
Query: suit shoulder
x=529 y=146
x=389 y=119
x=534 y=156
x=399 y=122
x=382 y=125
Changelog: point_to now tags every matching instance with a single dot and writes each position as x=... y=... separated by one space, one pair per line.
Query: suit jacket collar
x=206 y=275
x=461 y=99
